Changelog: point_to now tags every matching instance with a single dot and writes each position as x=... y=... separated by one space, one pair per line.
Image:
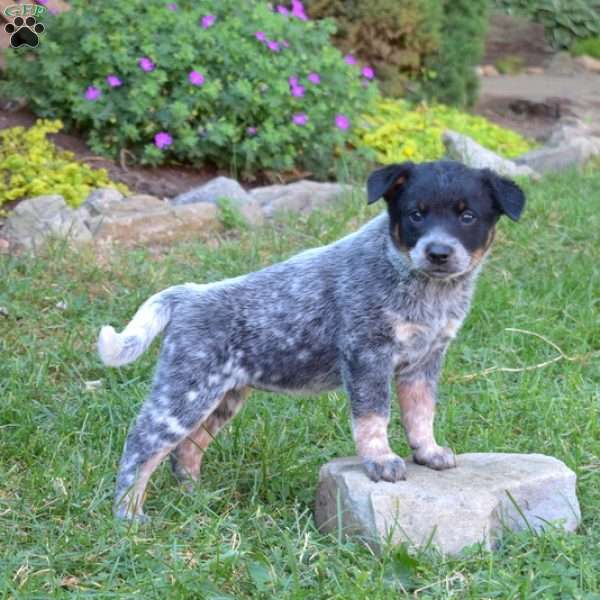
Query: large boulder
x=35 y=220
x=468 y=151
x=473 y=503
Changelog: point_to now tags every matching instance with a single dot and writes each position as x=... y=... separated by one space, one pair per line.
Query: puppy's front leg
x=369 y=393
x=417 y=402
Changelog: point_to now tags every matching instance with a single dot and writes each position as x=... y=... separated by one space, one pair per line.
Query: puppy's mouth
x=442 y=273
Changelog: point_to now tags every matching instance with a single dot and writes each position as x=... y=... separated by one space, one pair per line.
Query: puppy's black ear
x=508 y=197
x=384 y=182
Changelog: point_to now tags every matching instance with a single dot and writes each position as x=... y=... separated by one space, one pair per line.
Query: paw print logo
x=24 y=32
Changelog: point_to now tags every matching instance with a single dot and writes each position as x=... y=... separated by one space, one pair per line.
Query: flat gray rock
x=300 y=197
x=35 y=220
x=223 y=188
x=468 y=151
x=162 y=224
x=566 y=153
x=472 y=503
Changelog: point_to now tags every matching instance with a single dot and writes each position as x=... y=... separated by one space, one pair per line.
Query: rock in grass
x=468 y=151
x=301 y=197
x=35 y=220
x=223 y=188
x=453 y=509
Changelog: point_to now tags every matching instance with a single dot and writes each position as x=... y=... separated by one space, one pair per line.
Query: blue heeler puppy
x=377 y=306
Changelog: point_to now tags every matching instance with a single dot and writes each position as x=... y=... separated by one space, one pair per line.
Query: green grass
x=248 y=532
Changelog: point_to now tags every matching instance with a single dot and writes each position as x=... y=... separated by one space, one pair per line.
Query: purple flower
x=300 y=119
x=162 y=140
x=298 y=10
x=92 y=93
x=293 y=80
x=368 y=72
x=350 y=59
x=196 y=78
x=314 y=78
x=172 y=6
x=146 y=64
x=113 y=81
x=298 y=91
x=44 y=2
x=282 y=10
x=342 y=122
x=261 y=36
x=251 y=131
x=208 y=21
x=273 y=46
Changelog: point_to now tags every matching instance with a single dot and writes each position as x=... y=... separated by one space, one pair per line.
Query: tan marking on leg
x=133 y=501
x=417 y=403
x=451 y=328
x=370 y=436
x=191 y=450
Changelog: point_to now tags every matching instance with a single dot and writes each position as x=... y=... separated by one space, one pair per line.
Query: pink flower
x=44 y=2
x=208 y=21
x=114 y=81
x=251 y=131
x=298 y=10
x=273 y=46
x=368 y=72
x=162 y=140
x=196 y=78
x=172 y=6
x=146 y=64
x=342 y=122
x=92 y=93
x=300 y=119
x=282 y=10
x=285 y=44
x=293 y=80
x=298 y=91
x=350 y=59
x=261 y=36
x=314 y=78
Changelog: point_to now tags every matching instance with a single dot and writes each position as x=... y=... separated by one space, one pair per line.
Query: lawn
x=248 y=531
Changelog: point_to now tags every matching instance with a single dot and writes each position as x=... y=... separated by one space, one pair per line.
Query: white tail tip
x=116 y=349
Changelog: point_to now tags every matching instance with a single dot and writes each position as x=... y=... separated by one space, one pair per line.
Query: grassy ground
x=248 y=532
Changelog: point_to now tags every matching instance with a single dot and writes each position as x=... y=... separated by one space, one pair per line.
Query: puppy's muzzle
x=439 y=254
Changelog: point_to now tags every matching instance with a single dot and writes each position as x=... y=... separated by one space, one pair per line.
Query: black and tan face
x=443 y=214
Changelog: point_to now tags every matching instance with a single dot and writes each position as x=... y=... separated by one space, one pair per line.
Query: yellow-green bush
x=399 y=131
x=31 y=165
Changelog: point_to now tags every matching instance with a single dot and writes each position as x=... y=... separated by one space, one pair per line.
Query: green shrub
x=462 y=43
x=589 y=46
x=564 y=20
x=398 y=131
x=394 y=37
x=510 y=65
x=193 y=82
x=31 y=165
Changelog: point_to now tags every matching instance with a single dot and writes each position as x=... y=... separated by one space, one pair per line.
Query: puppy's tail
x=116 y=349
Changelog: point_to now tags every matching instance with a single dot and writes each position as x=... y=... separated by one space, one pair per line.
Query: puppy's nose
x=438 y=254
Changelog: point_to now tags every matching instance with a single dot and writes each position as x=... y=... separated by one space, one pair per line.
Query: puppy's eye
x=416 y=216
x=467 y=217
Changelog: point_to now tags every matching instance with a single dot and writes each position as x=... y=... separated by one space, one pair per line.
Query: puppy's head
x=443 y=214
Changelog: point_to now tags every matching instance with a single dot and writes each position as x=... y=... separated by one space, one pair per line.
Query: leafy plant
x=462 y=42
x=510 y=65
x=565 y=20
x=395 y=38
x=221 y=81
x=397 y=131
x=589 y=46
x=31 y=165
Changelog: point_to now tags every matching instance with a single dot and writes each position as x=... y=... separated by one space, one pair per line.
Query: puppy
x=377 y=306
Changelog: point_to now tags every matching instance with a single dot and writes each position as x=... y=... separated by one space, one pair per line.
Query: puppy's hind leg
x=160 y=427
x=186 y=459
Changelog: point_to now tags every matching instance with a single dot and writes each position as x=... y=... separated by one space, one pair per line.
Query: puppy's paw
x=388 y=467
x=437 y=458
